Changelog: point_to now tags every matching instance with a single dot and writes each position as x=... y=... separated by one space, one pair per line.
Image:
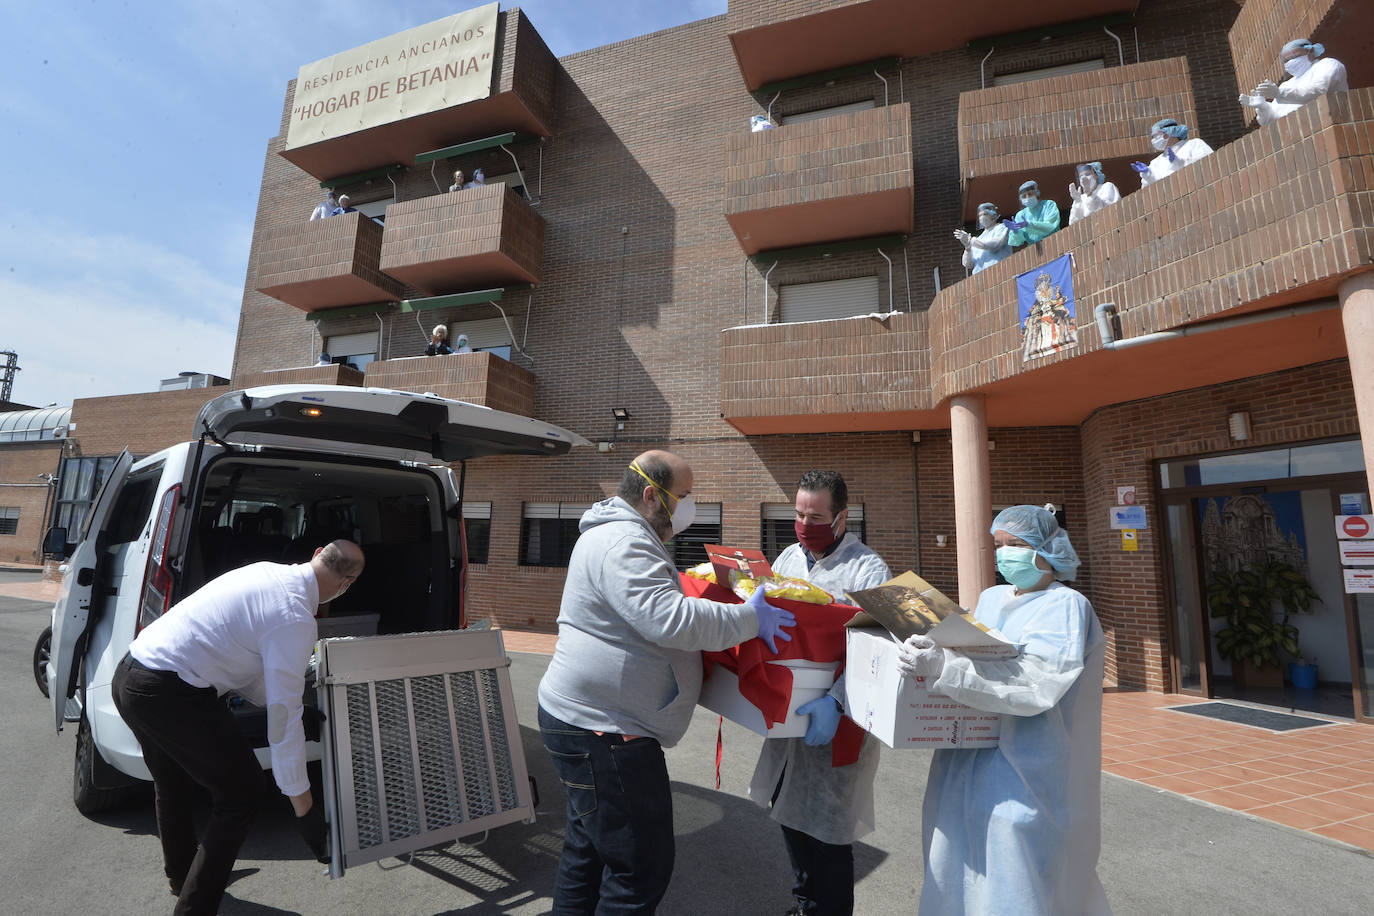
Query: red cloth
x=819 y=636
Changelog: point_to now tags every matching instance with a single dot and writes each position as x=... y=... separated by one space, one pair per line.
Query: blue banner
x=1049 y=322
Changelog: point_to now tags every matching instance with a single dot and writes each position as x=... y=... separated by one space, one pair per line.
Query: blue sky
x=133 y=143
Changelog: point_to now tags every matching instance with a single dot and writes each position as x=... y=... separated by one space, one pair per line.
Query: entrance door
x=1233 y=514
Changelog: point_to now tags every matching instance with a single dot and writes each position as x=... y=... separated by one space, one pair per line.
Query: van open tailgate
x=421 y=743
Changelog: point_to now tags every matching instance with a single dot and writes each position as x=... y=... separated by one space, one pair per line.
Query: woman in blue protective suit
x=1016 y=829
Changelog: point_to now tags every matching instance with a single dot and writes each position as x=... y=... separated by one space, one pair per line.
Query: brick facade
x=478 y=378
x=21 y=463
x=141 y=423
x=325 y=263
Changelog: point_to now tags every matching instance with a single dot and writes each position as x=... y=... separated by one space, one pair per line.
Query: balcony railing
x=776 y=41
x=325 y=263
x=464 y=240
x=1041 y=129
x=478 y=378
x=843 y=177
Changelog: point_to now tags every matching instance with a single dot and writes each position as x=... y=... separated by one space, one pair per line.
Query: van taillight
x=157 y=576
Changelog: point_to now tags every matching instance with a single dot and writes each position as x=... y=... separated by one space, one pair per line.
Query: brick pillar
x=1357 y=315
x=972 y=495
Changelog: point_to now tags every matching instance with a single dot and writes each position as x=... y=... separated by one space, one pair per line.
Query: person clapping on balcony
x=458 y=181
x=1092 y=192
x=1175 y=151
x=1308 y=79
x=325 y=207
x=990 y=245
x=343 y=207
x=1036 y=219
x=438 y=342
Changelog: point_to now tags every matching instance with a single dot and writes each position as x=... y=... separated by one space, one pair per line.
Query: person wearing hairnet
x=1175 y=151
x=1017 y=828
x=1309 y=76
x=822 y=808
x=1036 y=219
x=1092 y=192
x=990 y=245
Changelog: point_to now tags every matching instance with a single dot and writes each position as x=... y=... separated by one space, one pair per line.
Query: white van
x=276 y=472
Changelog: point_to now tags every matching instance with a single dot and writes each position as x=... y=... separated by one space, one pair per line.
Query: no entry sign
x=1355 y=527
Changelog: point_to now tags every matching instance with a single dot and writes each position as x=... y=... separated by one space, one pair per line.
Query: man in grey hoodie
x=622 y=685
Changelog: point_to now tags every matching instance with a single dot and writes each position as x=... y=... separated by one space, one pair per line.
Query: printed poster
x=1049 y=323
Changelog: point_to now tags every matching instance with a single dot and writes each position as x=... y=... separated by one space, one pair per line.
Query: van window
x=130 y=514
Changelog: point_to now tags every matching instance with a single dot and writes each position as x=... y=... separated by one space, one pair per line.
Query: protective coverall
x=1016 y=829
x=1041 y=219
x=1105 y=194
x=1185 y=153
x=1325 y=75
x=987 y=248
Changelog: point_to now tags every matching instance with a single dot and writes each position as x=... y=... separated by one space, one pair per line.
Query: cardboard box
x=909 y=606
x=899 y=712
x=720 y=694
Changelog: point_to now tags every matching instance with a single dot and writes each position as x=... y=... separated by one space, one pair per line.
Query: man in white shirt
x=250 y=631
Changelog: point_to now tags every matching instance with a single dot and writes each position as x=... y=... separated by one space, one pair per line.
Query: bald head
x=669 y=479
x=336 y=565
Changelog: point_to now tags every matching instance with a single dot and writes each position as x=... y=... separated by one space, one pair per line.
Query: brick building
x=768 y=302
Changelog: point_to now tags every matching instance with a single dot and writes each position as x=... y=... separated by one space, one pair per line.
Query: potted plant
x=1253 y=639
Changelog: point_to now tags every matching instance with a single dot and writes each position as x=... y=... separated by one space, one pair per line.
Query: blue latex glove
x=771 y=620
x=1169 y=151
x=1014 y=224
x=1140 y=166
x=825 y=718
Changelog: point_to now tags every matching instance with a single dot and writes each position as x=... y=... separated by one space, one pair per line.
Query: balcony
x=521 y=100
x=325 y=263
x=464 y=240
x=1041 y=129
x=1278 y=218
x=335 y=374
x=478 y=378
x=777 y=41
x=842 y=177
x=1263 y=27
x=844 y=375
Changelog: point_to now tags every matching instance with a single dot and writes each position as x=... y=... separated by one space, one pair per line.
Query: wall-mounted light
x=941 y=540
x=622 y=416
x=1238 y=423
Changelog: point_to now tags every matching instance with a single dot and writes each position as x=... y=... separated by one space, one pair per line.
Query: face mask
x=817 y=537
x=1298 y=65
x=686 y=510
x=1030 y=200
x=1017 y=566
x=1159 y=141
x=987 y=219
x=1088 y=181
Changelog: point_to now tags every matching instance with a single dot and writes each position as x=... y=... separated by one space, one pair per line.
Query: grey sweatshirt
x=629 y=641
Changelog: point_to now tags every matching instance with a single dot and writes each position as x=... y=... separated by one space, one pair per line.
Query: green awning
x=813 y=79
x=472 y=146
x=452 y=301
x=350 y=311
x=764 y=258
x=359 y=177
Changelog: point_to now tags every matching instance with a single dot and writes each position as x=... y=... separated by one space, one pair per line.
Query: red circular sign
x=1356 y=526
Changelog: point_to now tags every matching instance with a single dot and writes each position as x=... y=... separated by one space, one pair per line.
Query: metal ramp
x=421 y=743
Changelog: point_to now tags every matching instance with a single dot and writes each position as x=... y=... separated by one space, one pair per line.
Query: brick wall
x=478 y=378
x=21 y=488
x=1262 y=29
x=1120 y=445
x=142 y=423
x=333 y=374
x=325 y=263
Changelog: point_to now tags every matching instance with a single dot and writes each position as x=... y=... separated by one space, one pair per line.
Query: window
x=79 y=479
x=1025 y=76
x=477 y=524
x=484 y=334
x=777 y=530
x=1346 y=457
x=828 y=299
x=548 y=532
x=689 y=546
x=374 y=209
x=9 y=519
x=356 y=350
x=798 y=118
x=510 y=180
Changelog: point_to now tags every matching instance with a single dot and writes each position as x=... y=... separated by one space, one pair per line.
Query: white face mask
x=1088 y=181
x=684 y=514
x=1298 y=65
x=986 y=219
x=1159 y=141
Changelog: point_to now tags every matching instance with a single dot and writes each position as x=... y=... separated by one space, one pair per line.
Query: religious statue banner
x=1044 y=295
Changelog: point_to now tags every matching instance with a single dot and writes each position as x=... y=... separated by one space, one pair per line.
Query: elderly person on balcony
x=458 y=181
x=1175 y=151
x=990 y=246
x=1308 y=79
x=1092 y=192
x=1036 y=219
x=438 y=342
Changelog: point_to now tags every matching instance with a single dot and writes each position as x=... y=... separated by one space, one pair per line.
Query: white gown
x=1185 y=153
x=1016 y=829
x=832 y=804
x=1104 y=195
x=1325 y=75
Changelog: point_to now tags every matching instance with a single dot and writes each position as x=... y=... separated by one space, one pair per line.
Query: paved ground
x=1162 y=854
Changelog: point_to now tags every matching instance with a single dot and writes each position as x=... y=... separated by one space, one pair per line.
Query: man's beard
x=661 y=522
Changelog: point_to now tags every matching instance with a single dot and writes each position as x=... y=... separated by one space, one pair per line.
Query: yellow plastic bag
x=703 y=571
x=789 y=588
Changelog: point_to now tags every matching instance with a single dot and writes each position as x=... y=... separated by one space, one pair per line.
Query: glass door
x=1191 y=634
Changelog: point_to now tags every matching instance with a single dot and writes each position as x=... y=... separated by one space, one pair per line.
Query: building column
x=1357 y=316
x=968 y=425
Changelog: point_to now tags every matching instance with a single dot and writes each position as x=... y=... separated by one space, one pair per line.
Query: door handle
x=85 y=576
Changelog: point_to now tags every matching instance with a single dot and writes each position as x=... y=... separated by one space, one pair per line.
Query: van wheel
x=40 y=660
x=88 y=798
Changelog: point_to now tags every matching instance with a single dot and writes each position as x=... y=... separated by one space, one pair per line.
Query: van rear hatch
x=378 y=422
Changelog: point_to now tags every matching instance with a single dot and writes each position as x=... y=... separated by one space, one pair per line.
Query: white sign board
x=424 y=69
x=1359 y=581
x=1128 y=517
x=1355 y=527
x=1357 y=553
x=1125 y=496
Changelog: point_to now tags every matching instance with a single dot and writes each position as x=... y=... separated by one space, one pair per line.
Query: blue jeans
x=618 y=847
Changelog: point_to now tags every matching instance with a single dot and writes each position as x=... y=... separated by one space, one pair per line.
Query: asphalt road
x=1162 y=854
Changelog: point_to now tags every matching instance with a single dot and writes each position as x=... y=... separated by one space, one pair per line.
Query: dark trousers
x=189 y=737
x=823 y=874
x=618 y=848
